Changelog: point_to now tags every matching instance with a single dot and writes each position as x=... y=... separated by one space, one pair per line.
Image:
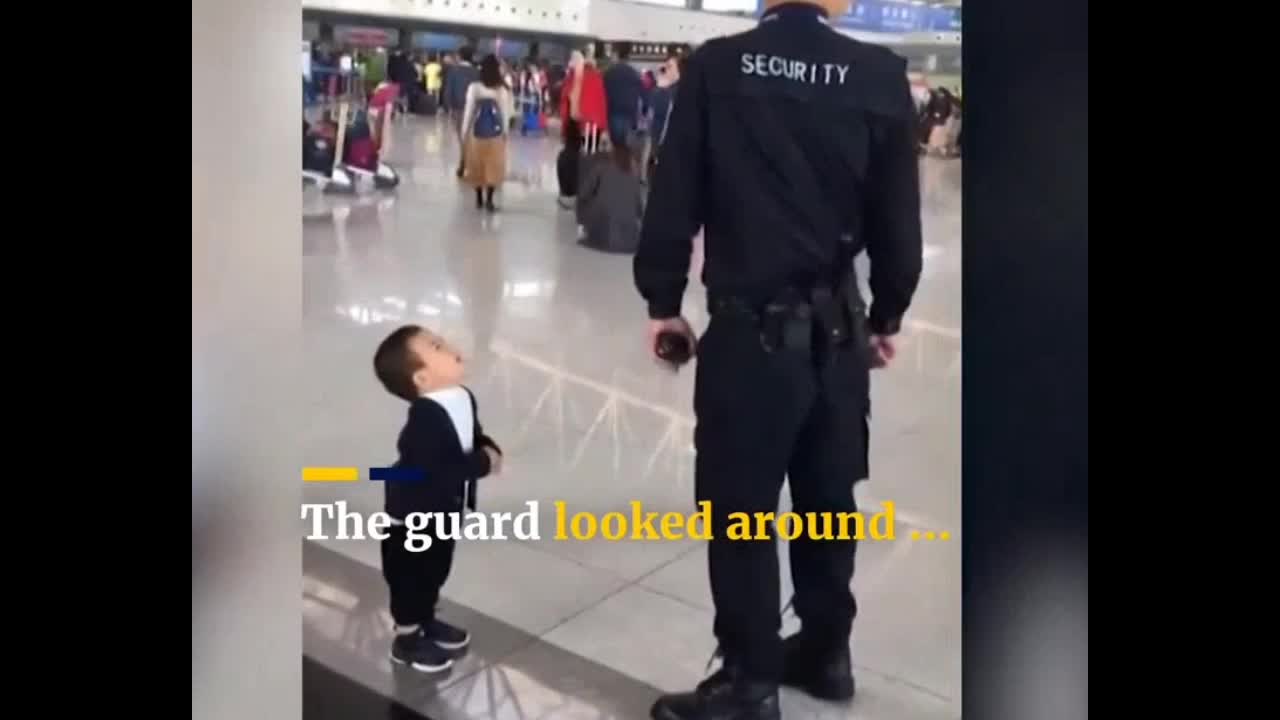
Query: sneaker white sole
x=453 y=645
x=423 y=667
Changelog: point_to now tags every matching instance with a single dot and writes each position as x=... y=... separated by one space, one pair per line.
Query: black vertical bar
x=1026 y=359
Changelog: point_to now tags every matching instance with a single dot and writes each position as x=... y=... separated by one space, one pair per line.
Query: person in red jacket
x=582 y=100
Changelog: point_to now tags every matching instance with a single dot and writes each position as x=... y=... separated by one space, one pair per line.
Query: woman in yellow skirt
x=485 y=122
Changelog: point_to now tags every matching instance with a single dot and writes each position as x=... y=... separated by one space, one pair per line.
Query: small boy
x=442 y=439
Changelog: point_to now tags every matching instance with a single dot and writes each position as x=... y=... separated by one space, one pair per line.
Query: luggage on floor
x=532 y=120
x=317 y=154
x=317 y=148
x=610 y=205
x=359 y=127
x=424 y=104
x=567 y=165
x=578 y=144
x=362 y=152
x=589 y=166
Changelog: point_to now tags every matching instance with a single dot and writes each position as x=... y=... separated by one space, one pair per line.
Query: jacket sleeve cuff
x=478 y=462
x=664 y=310
x=881 y=325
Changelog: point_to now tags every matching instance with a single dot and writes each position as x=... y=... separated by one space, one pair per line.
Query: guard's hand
x=676 y=325
x=882 y=350
x=495 y=460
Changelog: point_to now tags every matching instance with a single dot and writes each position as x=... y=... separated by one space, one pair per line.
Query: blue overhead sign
x=899 y=17
x=896 y=16
x=946 y=19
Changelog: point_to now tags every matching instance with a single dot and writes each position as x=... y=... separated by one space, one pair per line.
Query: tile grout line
x=923 y=690
x=540 y=637
x=912 y=685
x=625 y=586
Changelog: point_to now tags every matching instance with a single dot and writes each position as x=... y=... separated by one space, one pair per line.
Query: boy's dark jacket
x=429 y=443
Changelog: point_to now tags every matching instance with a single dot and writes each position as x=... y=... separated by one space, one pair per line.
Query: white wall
x=745 y=6
x=606 y=19
x=561 y=17
x=615 y=20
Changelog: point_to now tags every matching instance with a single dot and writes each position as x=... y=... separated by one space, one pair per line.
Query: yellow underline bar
x=330 y=474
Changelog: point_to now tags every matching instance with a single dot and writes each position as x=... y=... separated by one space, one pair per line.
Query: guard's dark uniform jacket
x=782 y=141
x=793 y=148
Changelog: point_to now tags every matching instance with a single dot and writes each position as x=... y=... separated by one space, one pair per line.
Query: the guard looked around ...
x=793 y=148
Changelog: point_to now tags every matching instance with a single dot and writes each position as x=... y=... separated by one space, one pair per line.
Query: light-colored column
x=246 y=261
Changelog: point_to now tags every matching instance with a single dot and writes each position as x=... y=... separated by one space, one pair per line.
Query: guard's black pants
x=762 y=416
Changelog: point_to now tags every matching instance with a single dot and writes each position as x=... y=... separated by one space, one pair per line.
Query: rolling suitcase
x=567 y=165
x=317 y=154
x=424 y=104
x=592 y=156
x=362 y=153
x=610 y=204
x=569 y=160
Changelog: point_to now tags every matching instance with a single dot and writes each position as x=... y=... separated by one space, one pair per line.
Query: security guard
x=793 y=148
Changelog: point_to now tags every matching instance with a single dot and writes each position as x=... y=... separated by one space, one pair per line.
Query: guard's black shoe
x=723 y=696
x=420 y=652
x=448 y=636
x=817 y=669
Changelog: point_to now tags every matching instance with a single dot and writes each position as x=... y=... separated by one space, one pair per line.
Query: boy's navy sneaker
x=419 y=652
x=447 y=636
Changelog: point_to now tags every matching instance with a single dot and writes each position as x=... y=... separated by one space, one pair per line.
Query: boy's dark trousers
x=415 y=578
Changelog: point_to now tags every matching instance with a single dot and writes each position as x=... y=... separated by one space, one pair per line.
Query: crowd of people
x=483 y=100
x=939 y=111
x=613 y=117
x=612 y=120
x=419 y=75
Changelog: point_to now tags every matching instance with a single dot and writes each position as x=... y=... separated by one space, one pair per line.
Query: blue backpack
x=488 y=122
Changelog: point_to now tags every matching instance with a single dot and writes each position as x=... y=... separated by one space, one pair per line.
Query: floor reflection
x=505 y=675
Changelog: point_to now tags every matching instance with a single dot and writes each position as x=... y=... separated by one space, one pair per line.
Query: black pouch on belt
x=786 y=323
x=859 y=333
x=773 y=320
x=831 y=316
x=797 y=331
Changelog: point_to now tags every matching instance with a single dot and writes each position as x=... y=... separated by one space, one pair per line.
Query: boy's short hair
x=394 y=363
x=466 y=52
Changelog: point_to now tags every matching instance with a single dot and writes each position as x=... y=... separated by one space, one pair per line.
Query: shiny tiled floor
x=553 y=335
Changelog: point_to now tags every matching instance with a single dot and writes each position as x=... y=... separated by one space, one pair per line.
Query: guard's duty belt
x=789 y=321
